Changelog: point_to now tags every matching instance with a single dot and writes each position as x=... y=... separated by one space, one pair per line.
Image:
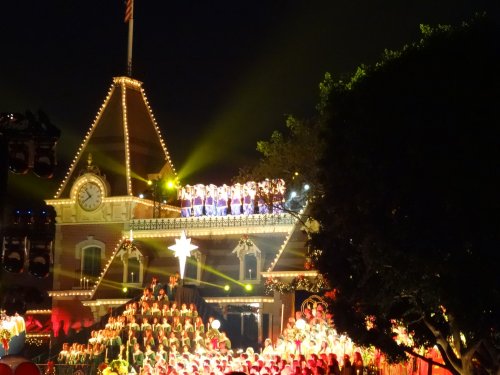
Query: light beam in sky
x=182 y=249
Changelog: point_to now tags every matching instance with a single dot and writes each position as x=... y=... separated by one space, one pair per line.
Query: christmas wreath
x=245 y=241
x=213 y=333
x=5 y=336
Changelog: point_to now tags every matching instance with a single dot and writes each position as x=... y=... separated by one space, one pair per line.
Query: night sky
x=220 y=75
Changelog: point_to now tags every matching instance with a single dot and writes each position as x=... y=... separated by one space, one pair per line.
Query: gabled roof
x=292 y=253
x=124 y=141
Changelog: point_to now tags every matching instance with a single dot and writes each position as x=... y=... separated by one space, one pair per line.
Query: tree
x=404 y=158
x=410 y=210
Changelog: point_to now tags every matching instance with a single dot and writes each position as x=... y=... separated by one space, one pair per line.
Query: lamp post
x=182 y=249
x=162 y=191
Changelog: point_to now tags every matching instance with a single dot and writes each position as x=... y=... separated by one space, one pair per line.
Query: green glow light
x=221 y=275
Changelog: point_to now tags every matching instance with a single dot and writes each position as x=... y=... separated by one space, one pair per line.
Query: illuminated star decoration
x=183 y=248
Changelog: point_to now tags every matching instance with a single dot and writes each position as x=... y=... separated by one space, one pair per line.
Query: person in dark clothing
x=346 y=366
x=137 y=358
x=155 y=286
x=357 y=364
x=333 y=364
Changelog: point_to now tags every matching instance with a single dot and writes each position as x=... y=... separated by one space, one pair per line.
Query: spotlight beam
x=220 y=274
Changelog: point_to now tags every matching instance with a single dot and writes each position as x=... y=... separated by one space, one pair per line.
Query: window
x=250 y=267
x=249 y=256
x=90 y=254
x=134 y=270
x=133 y=263
x=91 y=262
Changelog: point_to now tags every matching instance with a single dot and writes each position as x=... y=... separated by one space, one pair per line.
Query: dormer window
x=250 y=260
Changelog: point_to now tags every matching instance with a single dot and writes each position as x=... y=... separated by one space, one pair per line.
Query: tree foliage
x=410 y=225
x=405 y=160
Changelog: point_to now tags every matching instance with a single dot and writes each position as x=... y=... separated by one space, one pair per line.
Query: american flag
x=128 y=10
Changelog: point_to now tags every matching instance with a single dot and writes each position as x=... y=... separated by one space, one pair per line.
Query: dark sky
x=220 y=75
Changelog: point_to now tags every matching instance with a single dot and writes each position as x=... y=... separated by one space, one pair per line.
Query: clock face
x=89 y=196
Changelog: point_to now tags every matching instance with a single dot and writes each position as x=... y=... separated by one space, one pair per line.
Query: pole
x=130 y=41
x=282 y=312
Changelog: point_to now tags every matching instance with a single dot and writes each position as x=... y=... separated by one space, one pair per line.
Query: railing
x=212 y=222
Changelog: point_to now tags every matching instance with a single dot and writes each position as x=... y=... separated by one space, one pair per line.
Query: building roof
x=124 y=141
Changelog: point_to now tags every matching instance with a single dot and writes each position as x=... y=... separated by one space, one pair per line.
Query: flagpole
x=130 y=37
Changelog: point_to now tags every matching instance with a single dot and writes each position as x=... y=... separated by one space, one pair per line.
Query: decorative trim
x=39 y=312
x=125 y=138
x=127 y=81
x=129 y=251
x=158 y=132
x=300 y=282
x=70 y=293
x=83 y=145
x=89 y=242
x=119 y=199
x=246 y=247
x=312 y=273
x=272 y=221
x=108 y=264
x=244 y=300
x=106 y=302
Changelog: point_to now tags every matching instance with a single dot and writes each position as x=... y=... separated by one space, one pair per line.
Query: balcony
x=213 y=225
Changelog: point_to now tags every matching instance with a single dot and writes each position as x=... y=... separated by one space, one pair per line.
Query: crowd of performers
x=10 y=327
x=310 y=344
x=149 y=334
x=175 y=341
x=157 y=337
x=238 y=199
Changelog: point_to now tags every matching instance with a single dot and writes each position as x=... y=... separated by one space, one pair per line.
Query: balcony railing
x=212 y=222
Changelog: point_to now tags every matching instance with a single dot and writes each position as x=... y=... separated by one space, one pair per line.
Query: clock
x=89 y=196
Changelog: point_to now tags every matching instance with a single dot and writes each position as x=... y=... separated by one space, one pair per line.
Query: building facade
x=114 y=229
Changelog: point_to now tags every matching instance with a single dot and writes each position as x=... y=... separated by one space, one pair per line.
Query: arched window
x=250 y=260
x=91 y=262
x=133 y=263
x=250 y=266
x=134 y=270
x=91 y=255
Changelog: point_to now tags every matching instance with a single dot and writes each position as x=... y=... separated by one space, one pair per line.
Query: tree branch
x=444 y=344
x=457 y=341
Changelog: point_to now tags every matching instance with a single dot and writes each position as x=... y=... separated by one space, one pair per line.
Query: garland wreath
x=5 y=338
x=299 y=282
x=245 y=241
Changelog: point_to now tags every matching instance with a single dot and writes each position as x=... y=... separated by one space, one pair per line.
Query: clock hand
x=88 y=195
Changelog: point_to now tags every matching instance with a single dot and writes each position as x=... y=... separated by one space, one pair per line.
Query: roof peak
x=128 y=81
x=124 y=140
